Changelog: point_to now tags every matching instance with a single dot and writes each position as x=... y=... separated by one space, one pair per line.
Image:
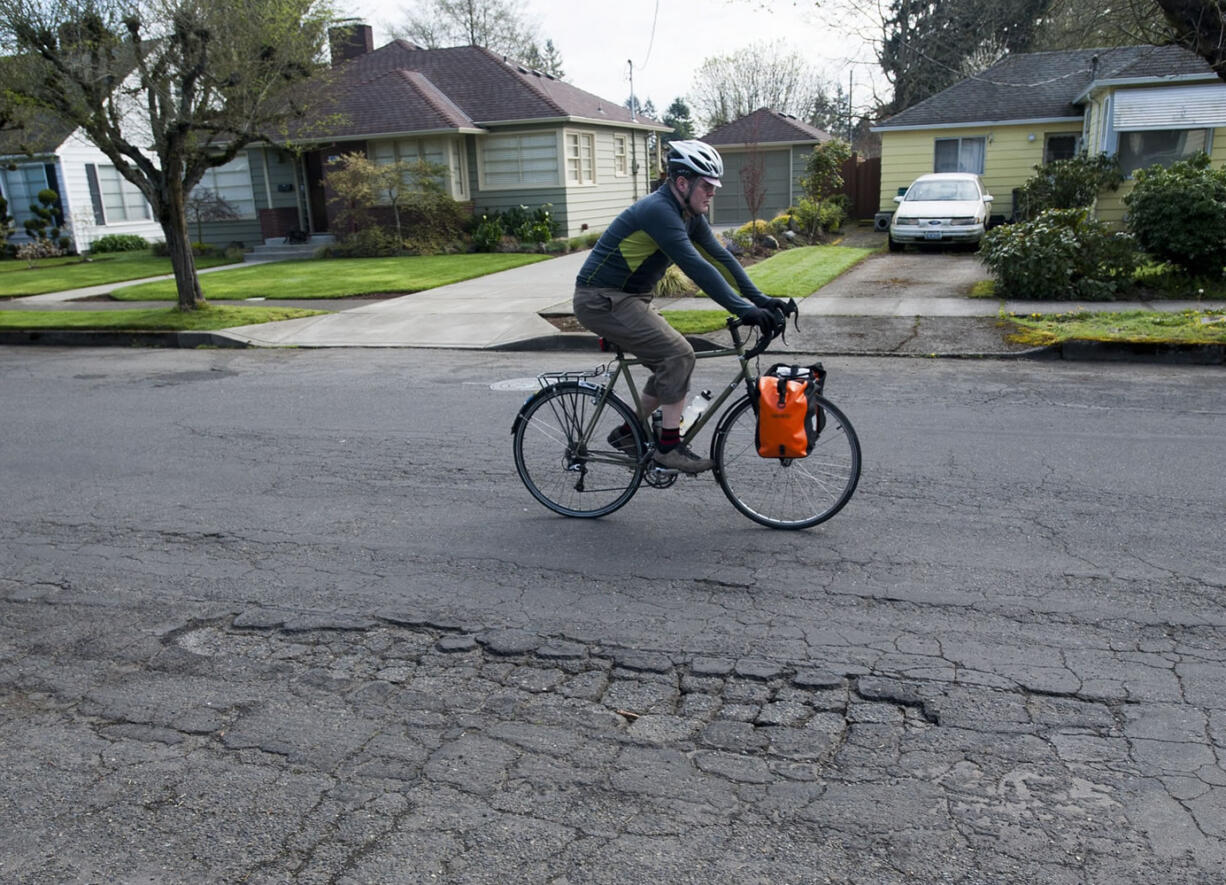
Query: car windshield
x=936 y=191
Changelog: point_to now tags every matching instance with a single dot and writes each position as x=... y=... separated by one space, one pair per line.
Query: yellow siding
x=1009 y=158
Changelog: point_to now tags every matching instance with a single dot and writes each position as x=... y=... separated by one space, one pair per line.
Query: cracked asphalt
x=274 y=617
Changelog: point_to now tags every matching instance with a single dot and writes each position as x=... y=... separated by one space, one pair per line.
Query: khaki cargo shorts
x=629 y=320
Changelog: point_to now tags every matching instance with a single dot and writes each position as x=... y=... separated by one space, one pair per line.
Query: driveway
x=913 y=275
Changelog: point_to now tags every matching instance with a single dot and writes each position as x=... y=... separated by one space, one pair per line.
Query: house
x=95 y=199
x=1144 y=104
x=506 y=134
x=770 y=144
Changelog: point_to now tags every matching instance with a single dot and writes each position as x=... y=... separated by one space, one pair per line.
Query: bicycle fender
x=523 y=410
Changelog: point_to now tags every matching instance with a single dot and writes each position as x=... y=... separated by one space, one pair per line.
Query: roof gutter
x=733 y=145
x=621 y=124
x=978 y=124
x=1108 y=83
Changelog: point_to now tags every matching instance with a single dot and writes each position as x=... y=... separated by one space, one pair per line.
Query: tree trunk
x=179 y=245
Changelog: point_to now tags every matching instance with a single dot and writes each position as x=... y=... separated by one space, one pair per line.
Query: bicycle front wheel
x=786 y=493
x=564 y=456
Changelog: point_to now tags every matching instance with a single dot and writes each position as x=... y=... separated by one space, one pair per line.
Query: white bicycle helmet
x=696 y=157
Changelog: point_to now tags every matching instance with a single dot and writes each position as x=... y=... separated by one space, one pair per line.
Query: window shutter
x=95 y=194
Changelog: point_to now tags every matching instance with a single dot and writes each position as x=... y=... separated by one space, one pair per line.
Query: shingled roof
x=40 y=134
x=765 y=126
x=401 y=87
x=1046 y=85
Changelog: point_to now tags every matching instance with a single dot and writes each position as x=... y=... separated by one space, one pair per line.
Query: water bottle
x=657 y=422
x=695 y=408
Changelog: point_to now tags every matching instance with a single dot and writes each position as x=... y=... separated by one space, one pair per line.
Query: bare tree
x=166 y=89
x=1200 y=25
x=1074 y=24
x=763 y=75
x=753 y=180
x=204 y=205
x=499 y=25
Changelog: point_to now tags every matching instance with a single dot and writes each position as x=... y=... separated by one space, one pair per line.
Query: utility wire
x=652 y=39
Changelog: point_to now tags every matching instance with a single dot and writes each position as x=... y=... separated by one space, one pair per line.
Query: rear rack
x=547 y=378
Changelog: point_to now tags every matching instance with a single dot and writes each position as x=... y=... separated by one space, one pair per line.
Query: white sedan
x=943 y=207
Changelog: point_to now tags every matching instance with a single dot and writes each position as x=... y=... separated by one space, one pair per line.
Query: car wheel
x=895 y=246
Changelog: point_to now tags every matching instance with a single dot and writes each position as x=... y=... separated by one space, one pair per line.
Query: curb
x=575 y=342
x=88 y=338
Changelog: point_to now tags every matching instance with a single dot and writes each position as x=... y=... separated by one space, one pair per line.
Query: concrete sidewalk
x=913 y=303
x=489 y=312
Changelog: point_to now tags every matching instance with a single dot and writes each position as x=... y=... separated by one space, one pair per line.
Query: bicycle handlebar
x=765 y=338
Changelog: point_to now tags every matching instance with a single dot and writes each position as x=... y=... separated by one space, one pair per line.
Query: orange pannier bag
x=789 y=418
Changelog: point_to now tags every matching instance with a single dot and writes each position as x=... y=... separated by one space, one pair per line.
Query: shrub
x=36 y=249
x=1067 y=184
x=431 y=221
x=1179 y=214
x=750 y=233
x=1061 y=254
x=47 y=216
x=674 y=284
x=488 y=235
x=822 y=177
x=368 y=242
x=831 y=215
x=119 y=243
x=526 y=225
x=811 y=217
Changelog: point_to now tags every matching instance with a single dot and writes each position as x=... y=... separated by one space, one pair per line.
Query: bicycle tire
x=786 y=493
x=563 y=473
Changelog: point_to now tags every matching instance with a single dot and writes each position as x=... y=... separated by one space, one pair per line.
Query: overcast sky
x=596 y=41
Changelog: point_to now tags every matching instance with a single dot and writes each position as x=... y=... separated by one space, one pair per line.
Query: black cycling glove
x=770 y=322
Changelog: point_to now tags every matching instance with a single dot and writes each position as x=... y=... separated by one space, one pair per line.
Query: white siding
x=73 y=156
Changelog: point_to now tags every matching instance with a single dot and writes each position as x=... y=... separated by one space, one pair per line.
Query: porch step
x=276 y=249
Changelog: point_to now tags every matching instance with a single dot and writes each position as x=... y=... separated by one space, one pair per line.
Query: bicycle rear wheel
x=786 y=493
x=563 y=454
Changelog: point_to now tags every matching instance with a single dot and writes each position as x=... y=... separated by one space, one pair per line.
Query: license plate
x=932 y=235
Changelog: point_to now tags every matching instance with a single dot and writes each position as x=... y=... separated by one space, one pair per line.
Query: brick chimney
x=349 y=41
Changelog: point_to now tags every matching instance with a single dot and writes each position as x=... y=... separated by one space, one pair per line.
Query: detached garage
x=770 y=147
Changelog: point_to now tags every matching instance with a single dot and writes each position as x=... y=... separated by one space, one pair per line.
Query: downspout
x=634 y=163
x=305 y=221
x=267 y=186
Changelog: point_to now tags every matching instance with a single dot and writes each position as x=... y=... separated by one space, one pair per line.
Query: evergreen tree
x=6 y=224
x=45 y=225
x=678 y=117
x=547 y=62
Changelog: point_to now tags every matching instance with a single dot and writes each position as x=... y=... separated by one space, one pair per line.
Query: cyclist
x=613 y=291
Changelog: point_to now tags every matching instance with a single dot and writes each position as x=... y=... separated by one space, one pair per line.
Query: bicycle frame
x=620 y=369
x=571 y=416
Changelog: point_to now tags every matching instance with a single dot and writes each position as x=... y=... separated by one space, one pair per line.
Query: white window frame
x=580 y=157
x=960 y=141
x=232 y=182
x=122 y=201
x=445 y=152
x=1202 y=140
x=541 y=167
x=621 y=156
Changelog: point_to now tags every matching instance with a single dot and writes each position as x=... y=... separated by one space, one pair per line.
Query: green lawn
x=1135 y=326
x=162 y=319
x=336 y=278
x=798 y=273
x=62 y=274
